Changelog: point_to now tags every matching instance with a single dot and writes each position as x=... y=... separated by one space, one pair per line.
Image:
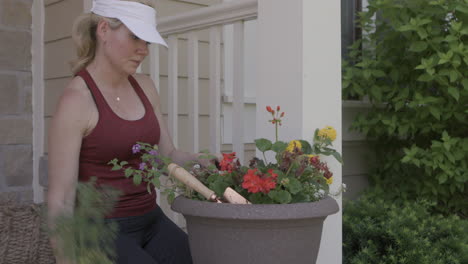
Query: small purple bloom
x=136 y=148
x=142 y=166
x=153 y=152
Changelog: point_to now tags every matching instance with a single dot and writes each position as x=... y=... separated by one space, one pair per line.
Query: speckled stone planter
x=254 y=234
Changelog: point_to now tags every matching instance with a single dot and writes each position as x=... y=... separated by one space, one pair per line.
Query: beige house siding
x=15 y=101
x=58 y=51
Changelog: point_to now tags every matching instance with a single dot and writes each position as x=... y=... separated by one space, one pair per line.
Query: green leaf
x=425 y=77
x=128 y=172
x=337 y=157
x=462 y=8
x=137 y=179
x=418 y=46
x=465 y=84
x=279 y=146
x=442 y=178
x=453 y=91
x=306 y=148
x=406 y=159
x=376 y=92
x=280 y=196
x=399 y=105
x=156 y=182
x=263 y=144
x=219 y=186
x=406 y=28
x=422 y=33
x=367 y=74
x=170 y=197
x=123 y=163
x=378 y=73
x=294 y=186
x=116 y=167
x=435 y=112
x=451 y=38
x=453 y=75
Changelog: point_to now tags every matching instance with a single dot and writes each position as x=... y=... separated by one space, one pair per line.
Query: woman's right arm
x=69 y=124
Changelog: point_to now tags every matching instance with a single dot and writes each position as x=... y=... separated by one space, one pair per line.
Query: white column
x=299 y=68
x=37 y=51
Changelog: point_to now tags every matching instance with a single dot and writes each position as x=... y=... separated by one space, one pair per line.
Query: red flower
x=252 y=182
x=268 y=108
x=282 y=114
x=255 y=183
x=268 y=184
x=227 y=164
x=272 y=174
x=314 y=160
x=278 y=108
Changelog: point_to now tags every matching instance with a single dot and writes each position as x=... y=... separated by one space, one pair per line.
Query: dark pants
x=151 y=238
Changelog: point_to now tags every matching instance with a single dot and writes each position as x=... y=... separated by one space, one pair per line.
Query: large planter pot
x=258 y=233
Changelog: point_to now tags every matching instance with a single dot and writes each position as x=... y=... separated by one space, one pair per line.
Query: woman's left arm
x=166 y=145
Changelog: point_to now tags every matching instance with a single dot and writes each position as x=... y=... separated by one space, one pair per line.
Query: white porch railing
x=189 y=23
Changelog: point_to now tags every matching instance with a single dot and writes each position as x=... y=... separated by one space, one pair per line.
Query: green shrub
x=412 y=65
x=379 y=231
x=84 y=236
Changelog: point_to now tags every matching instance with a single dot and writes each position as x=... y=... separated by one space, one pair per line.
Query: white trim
x=193 y=75
x=37 y=71
x=228 y=99
x=215 y=89
x=206 y=17
x=238 y=90
x=154 y=65
x=172 y=93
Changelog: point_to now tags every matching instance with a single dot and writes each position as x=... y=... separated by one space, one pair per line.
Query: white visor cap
x=139 y=18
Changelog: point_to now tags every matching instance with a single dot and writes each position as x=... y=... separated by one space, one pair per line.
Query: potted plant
x=289 y=200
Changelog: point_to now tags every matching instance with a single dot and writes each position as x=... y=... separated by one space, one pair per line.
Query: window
x=349 y=31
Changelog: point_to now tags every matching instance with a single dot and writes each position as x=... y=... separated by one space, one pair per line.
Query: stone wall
x=16 y=159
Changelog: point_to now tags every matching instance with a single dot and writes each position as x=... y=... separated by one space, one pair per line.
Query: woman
x=103 y=111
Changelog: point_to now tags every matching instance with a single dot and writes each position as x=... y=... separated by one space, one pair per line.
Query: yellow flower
x=327 y=132
x=310 y=155
x=329 y=180
x=294 y=144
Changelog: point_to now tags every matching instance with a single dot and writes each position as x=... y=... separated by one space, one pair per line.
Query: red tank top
x=113 y=137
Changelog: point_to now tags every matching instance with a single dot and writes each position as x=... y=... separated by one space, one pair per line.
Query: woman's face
x=123 y=49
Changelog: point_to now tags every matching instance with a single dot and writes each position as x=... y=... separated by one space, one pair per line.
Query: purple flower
x=142 y=166
x=153 y=152
x=136 y=148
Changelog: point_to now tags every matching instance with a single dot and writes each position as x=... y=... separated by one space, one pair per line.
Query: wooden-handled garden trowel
x=188 y=179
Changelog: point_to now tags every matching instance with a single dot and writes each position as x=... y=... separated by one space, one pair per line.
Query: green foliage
x=379 y=231
x=149 y=170
x=296 y=175
x=84 y=236
x=412 y=65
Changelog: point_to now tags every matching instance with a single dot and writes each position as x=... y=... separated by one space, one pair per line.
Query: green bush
x=379 y=231
x=84 y=236
x=412 y=66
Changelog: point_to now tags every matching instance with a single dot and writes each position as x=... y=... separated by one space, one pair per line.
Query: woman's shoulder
x=77 y=90
x=75 y=97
